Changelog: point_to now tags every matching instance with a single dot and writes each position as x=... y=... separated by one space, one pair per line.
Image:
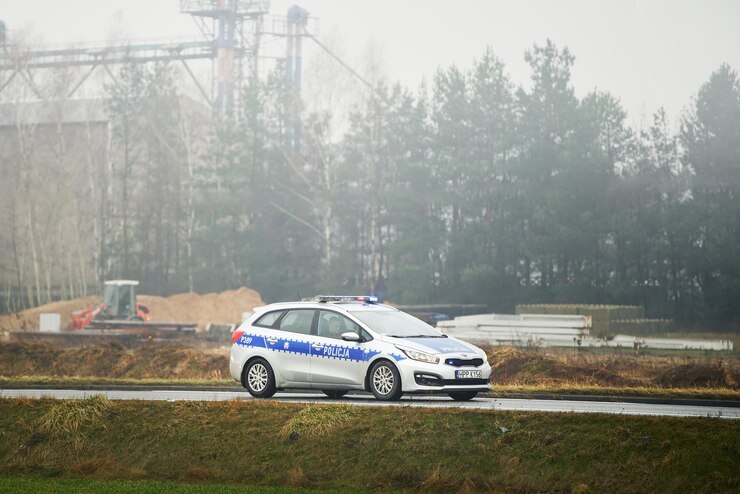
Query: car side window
x=297 y=321
x=268 y=320
x=332 y=325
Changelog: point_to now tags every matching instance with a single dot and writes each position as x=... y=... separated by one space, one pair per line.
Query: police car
x=337 y=343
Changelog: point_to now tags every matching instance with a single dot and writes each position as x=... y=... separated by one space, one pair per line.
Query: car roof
x=343 y=306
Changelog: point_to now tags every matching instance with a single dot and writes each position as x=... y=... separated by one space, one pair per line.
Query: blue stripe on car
x=300 y=347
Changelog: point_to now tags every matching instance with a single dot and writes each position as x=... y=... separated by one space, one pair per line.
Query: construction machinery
x=120 y=310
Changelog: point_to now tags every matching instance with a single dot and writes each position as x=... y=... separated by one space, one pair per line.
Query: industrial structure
x=232 y=36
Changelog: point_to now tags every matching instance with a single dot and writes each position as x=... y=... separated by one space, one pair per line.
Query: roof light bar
x=368 y=299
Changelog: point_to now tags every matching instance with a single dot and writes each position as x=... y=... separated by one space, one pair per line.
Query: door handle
x=272 y=341
x=317 y=346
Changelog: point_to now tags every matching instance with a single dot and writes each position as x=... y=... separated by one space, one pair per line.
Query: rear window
x=297 y=321
x=268 y=320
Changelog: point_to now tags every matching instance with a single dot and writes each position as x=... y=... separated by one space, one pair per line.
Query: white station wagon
x=338 y=343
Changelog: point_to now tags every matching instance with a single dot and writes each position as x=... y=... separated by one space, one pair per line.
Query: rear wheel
x=334 y=393
x=463 y=395
x=385 y=381
x=259 y=379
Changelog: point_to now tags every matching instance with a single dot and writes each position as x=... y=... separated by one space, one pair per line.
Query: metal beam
x=195 y=80
x=10 y=79
x=141 y=53
x=29 y=80
x=82 y=81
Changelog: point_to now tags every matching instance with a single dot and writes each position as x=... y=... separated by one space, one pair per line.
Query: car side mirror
x=350 y=336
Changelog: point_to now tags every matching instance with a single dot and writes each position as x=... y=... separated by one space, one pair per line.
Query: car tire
x=385 y=381
x=259 y=379
x=463 y=395
x=334 y=393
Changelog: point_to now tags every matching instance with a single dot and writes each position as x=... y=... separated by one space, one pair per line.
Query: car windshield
x=395 y=323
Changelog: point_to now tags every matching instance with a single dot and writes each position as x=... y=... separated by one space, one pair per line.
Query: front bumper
x=418 y=377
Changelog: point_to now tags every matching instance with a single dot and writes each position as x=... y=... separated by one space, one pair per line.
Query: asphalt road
x=481 y=403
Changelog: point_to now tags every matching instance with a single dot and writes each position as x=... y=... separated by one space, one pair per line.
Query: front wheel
x=385 y=381
x=463 y=395
x=334 y=393
x=259 y=379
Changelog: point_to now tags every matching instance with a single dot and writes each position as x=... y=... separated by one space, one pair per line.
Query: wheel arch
x=372 y=363
x=249 y=361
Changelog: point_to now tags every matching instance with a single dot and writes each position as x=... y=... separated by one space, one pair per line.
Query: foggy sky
x=647 y=53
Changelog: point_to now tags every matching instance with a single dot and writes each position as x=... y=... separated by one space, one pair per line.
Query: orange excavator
x=119 y=303
x=120 y=310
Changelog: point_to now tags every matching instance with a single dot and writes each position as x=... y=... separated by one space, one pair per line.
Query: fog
x=650 y=54
x=491 y=153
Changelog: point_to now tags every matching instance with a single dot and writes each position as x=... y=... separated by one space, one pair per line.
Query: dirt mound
x=218 y=308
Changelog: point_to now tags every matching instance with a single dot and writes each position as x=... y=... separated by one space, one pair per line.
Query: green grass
x=266 y=444
x=34 y=485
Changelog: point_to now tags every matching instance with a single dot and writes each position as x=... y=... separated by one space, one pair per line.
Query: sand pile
x=218 y=308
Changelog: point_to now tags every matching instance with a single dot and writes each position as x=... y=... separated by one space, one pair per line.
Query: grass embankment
x=349 y=448
x=34 y=485
x=559 y=368
x=114 y=360
x=515 y=371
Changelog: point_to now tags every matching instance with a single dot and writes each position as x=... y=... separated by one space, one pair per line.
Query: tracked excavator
x=120 y=310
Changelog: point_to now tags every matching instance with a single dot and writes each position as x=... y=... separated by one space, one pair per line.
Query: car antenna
x=299 y=295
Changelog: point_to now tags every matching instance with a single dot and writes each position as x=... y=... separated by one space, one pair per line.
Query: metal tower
x=296 y=30
x=234 y=28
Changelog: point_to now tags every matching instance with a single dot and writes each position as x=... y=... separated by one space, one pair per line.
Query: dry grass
x=316 y=421
x=552 y=367
x=113 y=360
x=296 y=477
x=69 y=417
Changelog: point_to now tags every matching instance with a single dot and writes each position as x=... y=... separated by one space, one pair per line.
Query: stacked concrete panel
x=606 y=319
x=525 y=329
x=558 y=330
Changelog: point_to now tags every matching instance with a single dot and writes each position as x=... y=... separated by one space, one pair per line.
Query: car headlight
x=420 y=356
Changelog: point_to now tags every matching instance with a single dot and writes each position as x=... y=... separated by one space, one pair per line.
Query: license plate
x=468 y=374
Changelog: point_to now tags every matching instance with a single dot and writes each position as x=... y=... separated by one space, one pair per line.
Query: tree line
x=467 y=189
